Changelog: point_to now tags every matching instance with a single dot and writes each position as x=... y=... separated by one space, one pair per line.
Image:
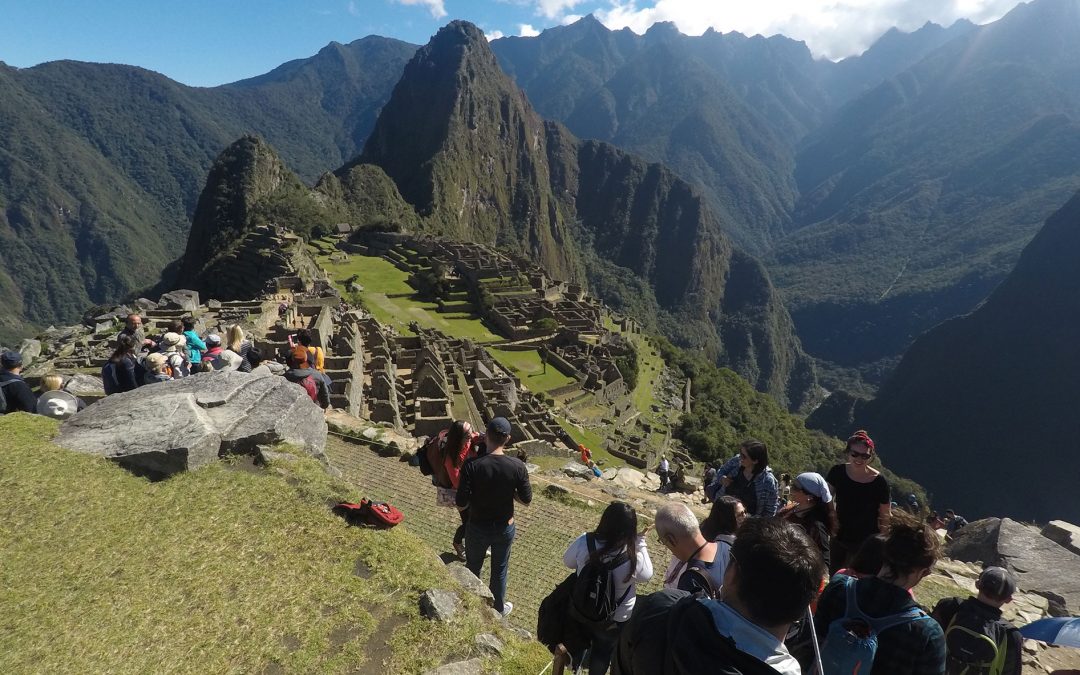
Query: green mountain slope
x=462 y=147
x=981 y=410
x=919 y=195
x=101 y=165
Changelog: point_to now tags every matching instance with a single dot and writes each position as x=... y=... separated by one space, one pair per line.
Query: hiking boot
x=507 y=608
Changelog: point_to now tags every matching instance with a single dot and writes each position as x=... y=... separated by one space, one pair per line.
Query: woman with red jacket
x=447 y=455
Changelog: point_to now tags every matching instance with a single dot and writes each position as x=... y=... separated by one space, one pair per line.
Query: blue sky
x=209 y=42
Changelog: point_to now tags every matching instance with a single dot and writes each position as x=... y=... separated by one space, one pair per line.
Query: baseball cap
x=997 y=582
x=213 y=339
x=499 y=425
x=11 y=359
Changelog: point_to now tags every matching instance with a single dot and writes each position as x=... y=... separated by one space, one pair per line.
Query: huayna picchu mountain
x=459 y=152
x=982 y=410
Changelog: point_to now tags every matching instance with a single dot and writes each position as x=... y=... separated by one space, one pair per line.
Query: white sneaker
x=507 y=608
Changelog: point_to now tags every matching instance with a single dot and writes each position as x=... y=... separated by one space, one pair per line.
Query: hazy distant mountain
x=101 y=165
x=460 y=144
x=917 y=196
x=982 y=409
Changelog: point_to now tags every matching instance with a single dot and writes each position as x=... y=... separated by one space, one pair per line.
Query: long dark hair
x=758 y=453
x=721 y=519
x=618 y=530
x=125 y=345
x=455 y=438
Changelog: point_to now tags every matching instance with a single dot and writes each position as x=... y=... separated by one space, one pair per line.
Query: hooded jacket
x=298 y=374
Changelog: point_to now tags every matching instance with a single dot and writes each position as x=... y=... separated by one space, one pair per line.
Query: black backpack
x=3 y=399
x=975 y=645
x=593 y=601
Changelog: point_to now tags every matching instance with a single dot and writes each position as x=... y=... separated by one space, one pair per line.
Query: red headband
x=861 y=436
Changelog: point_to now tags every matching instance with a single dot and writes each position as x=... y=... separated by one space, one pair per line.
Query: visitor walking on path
x=748 y=477
x=446 y=455
x=812 y=509
x=915 y=643
x=616 y=539
x=977 y=639
x=489 y=485
x=696 y=563
x=15 y=393
x=773 y=576
x=863 y=505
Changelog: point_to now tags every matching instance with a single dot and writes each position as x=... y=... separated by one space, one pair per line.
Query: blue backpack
x=852 y=640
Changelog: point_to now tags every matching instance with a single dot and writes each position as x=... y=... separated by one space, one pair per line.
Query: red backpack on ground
x=379 y=515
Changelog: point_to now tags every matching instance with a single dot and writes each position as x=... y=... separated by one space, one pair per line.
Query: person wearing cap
x=863 y=501
x=156 y=369
x=171 y=345
x=966 y=621
x=300 y=371
x=811 y=508
x=18 y=395
x=57 y=404
x=488 y=486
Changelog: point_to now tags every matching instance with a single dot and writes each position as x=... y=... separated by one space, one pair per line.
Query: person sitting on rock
x=617 y=543
x=315 y=354
x=195 y=345
x=55 y=382
x=976 y=636
x=677 y=529
x=171 y=347
x=309 y=379
x=235 y=343
x=212 y=356
x=17 y=395
x=120 y=372
x=953 y=523
x=772 y=579
x=747 y=476
x=157 y=368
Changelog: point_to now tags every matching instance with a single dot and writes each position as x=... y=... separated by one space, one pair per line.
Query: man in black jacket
x=17 y=393
x=300 y=372
x=774 y=574
x=965 y=622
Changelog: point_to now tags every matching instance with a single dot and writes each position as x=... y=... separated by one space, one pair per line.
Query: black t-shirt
x=857 y=504
x=488 y=485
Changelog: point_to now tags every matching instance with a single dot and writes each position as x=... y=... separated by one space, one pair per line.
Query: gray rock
x=470 y=582
x=575 y=470
x=370 y=433
x=555 y=490
x=143 y=304
x=531 y=468
x=470 y=667
x=609 y=474
x=1041 y=566
x=185 y=424
x=629 y=478
x=1066 y=534
x=182 y=299
x=81 y=384
x=103 y=327
x=440 y=605
x=489 y=643
x=30 y=350
x=213 y=304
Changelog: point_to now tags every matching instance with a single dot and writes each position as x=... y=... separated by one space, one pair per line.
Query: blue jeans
x=478 y=539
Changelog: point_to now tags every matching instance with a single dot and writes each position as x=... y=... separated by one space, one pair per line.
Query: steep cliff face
x=466 y=149
x=982 y=409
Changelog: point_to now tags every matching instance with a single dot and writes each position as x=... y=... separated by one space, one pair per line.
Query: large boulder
x=164 y=428
x=1041 y=566
x=82 y=384
x=1066 y=534
x=30 y=350
x=629 y=478
x=183 y=299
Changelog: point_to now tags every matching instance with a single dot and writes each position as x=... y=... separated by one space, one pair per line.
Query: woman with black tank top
x=863 y=505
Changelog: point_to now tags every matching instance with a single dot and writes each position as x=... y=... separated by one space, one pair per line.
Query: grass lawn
x=594 y=442
x=530 y=370
x=219 y=570
x=387 y=296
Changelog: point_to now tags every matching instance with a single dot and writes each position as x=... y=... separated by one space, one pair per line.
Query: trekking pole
x=813 y=640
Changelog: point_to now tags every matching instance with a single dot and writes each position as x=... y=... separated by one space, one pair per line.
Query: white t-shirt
x=577 y=555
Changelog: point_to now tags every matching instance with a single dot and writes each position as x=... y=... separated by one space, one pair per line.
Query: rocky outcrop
x=1066 y=534
x=1041 y=566
x=161 y=429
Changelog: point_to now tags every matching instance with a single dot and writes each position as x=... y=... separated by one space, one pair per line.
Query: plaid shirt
x=914 y=648
x=765 y=487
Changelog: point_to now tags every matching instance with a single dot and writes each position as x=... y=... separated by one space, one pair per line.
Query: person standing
x=976 y=637
x=487 y=488
x=446 y=455
x=863 y=505
x=18 y=395
x=748 y=477
x=664 y=470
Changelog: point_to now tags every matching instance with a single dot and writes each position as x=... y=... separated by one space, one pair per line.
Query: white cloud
x=553 y=8
x=569 y=19
x=436 y=7
x=494 y=35
x=525 y=30
x=831 y=28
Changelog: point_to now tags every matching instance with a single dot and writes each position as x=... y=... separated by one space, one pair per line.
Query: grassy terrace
x=388 y=296
x=219 y=570
x=530 y=369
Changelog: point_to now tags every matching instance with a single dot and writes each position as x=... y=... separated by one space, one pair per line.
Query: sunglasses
x=859 y=455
